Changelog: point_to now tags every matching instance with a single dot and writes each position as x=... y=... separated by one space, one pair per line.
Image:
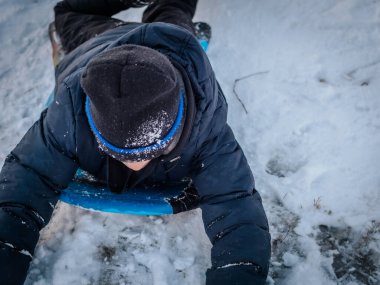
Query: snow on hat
x=134 y=105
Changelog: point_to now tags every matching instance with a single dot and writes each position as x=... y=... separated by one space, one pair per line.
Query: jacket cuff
x=13 y=265
x=235 y=275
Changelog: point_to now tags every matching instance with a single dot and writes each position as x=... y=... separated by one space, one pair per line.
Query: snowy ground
x=311 y=134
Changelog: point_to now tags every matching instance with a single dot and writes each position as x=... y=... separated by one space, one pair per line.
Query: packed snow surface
x=302 y=82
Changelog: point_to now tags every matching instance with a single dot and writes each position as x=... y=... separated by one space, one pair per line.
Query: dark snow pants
x=77 y=21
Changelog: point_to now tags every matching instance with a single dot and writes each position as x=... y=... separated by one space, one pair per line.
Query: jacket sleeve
x=232 y=213
x=30 y=182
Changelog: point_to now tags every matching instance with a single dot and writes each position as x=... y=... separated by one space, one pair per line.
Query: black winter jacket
x=46 y=159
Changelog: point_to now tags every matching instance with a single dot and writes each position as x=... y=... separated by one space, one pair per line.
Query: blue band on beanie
x=145 y=149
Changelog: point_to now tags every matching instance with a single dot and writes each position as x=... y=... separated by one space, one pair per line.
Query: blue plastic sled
x=85 y=192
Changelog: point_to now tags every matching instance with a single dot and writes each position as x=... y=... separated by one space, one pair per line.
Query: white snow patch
x=236 y=264
x=150 y=132
x=25 y=252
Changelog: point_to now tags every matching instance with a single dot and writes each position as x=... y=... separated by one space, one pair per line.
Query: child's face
x=136 y=166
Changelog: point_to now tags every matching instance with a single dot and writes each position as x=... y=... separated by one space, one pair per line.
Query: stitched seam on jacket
x=185 y=46
x=243 y=195
x=13 y=248
x=46 y=180
x=36 y=218
x=218 y=219
x=143 y=33
x=74 y=118
x=227 y=231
